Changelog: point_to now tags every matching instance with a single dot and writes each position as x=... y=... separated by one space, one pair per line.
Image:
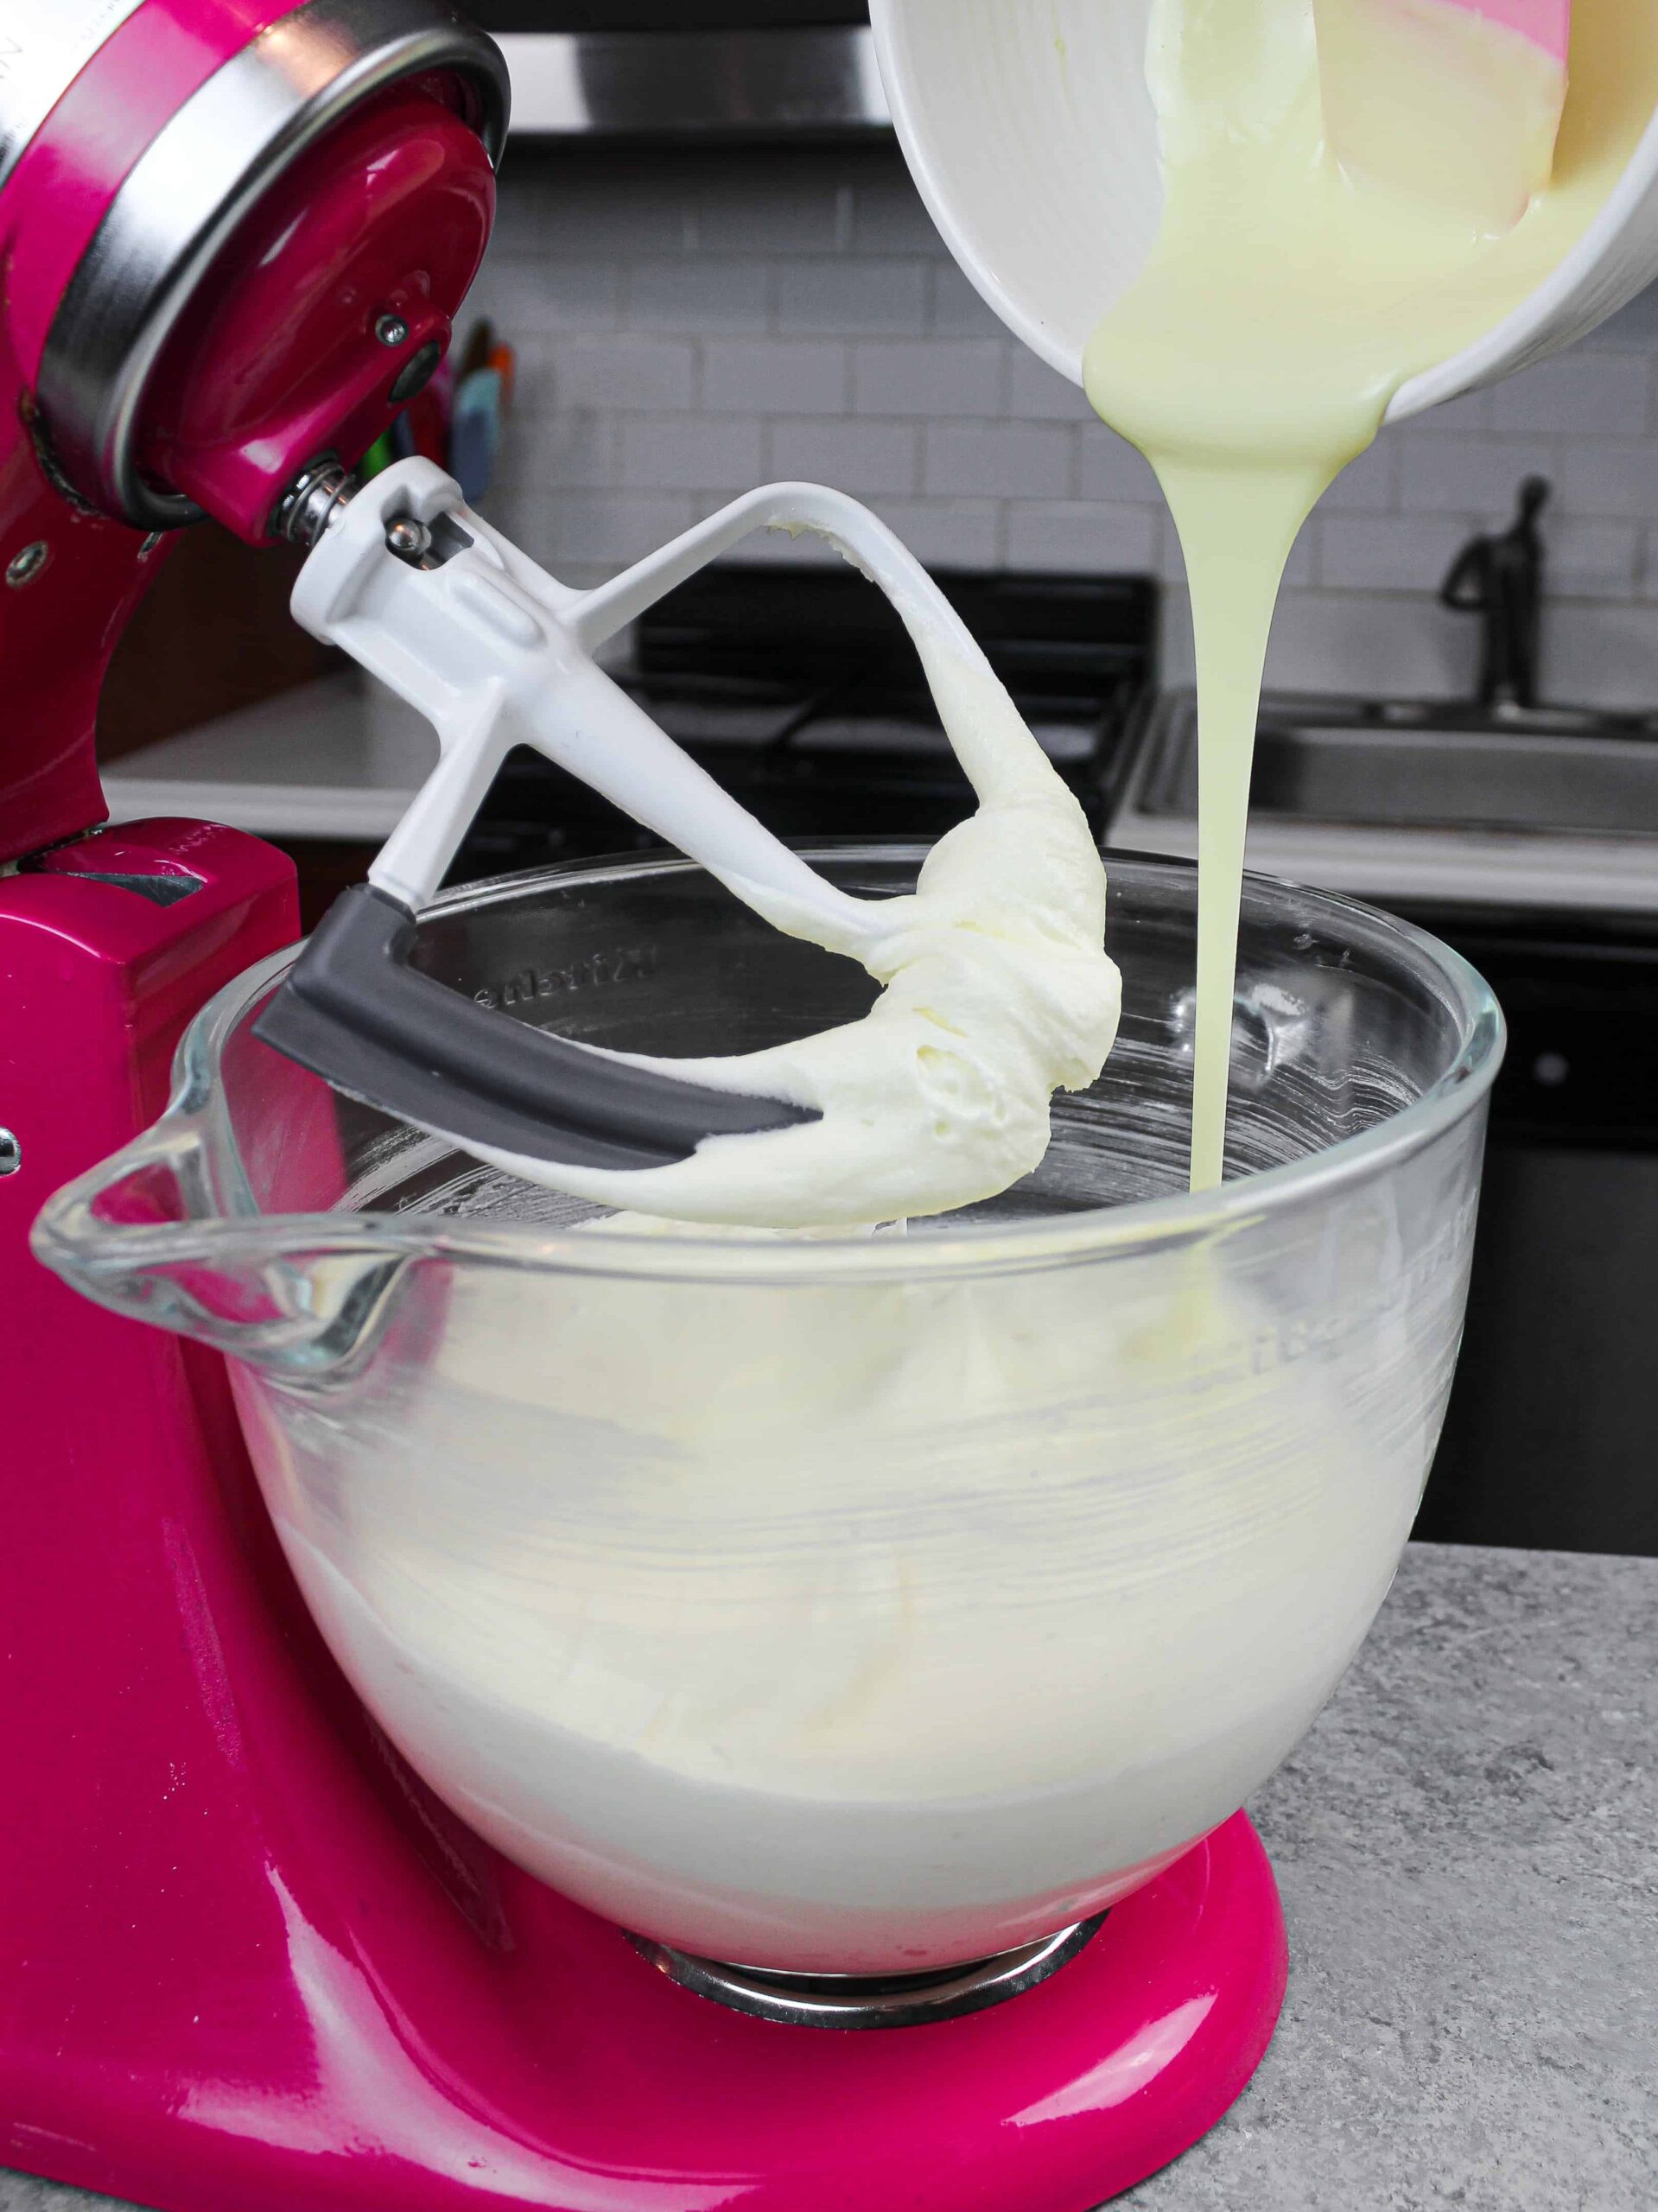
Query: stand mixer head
x=232 y=231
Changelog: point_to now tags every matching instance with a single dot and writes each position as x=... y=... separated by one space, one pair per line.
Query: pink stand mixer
x=246 y=1958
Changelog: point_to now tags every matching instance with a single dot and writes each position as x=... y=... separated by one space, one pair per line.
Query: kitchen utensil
x=459 y=622
x=1031 y=135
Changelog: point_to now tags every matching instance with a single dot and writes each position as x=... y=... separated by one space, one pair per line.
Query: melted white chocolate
x=1440 y=103
x=1284 y=303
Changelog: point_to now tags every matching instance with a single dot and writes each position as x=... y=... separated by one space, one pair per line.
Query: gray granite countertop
x=1467 y=1844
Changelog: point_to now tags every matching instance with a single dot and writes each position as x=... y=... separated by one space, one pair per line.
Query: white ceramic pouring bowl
x=1025 y=122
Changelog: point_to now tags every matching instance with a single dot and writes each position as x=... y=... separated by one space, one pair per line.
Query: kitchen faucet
x=1500 y=579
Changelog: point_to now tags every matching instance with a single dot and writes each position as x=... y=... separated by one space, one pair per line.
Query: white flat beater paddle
x=497 y=653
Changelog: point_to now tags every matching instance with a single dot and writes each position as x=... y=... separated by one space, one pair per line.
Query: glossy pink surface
x=392 y=211
x=390 y=214
x=1547 y=23
x=61 y=189
x=57 y=633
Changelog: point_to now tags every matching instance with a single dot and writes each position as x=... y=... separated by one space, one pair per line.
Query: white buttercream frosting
x=997 y=992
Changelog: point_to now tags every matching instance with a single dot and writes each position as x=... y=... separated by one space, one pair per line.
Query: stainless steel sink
x=1560 y=770
x=1437 y=803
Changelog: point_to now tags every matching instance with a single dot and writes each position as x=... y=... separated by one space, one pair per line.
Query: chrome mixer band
x=44 y=46
x=205 y=169
x=864 y=2001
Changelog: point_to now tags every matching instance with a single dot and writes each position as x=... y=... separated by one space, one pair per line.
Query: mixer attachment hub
x=840 y=2000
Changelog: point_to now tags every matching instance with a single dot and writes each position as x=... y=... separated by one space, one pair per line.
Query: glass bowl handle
x=144 y=1234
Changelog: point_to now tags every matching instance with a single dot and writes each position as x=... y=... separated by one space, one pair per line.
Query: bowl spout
x=145 y=1233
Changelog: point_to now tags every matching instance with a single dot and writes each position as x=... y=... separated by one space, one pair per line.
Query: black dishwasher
x=1552 y=1438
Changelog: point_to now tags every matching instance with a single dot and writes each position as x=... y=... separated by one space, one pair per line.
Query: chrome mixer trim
x=312 y=501
x=838 y=2001
x=203 y=172
x=44 y=46
x=759 y=83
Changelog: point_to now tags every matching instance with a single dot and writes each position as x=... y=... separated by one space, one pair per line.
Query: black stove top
x=799 y=691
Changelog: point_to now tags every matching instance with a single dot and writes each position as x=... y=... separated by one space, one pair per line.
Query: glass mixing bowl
x=857 y=1605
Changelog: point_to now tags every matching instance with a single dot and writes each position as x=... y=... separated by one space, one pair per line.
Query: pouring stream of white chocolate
x=1284 y=303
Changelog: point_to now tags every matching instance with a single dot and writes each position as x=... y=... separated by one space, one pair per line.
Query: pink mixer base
x=632 y=2095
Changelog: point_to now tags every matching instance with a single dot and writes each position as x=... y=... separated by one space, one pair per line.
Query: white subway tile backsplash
x=623 y=374
x=1464 y=475
x=576 y=448
x=1390 y=552
x=1109 y=467
x=852 y=454
x=1390 y=648
x=888 y=216
x=698 y=295
x=1604 y=478
x=522 y=206
x=606 y=530
x=851 y=298
x=1085 y=534
x=1301 y=568
x=756 y=205
x=1594 y=395
x=1039 y=393
x=1632 y=329
x=1593 y=560
x=691 y=323
x=1413 y=553
x=928 y=377
x=690 y=452
x=1381 y=648
x=1469 y=411
x=998 y=460
x=774 y=377
x=947 y=533
x=535 y=393
x=1369 y=484
x=1606 y=654
x=586 y=215
x=956 y=309
x=539 y=297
